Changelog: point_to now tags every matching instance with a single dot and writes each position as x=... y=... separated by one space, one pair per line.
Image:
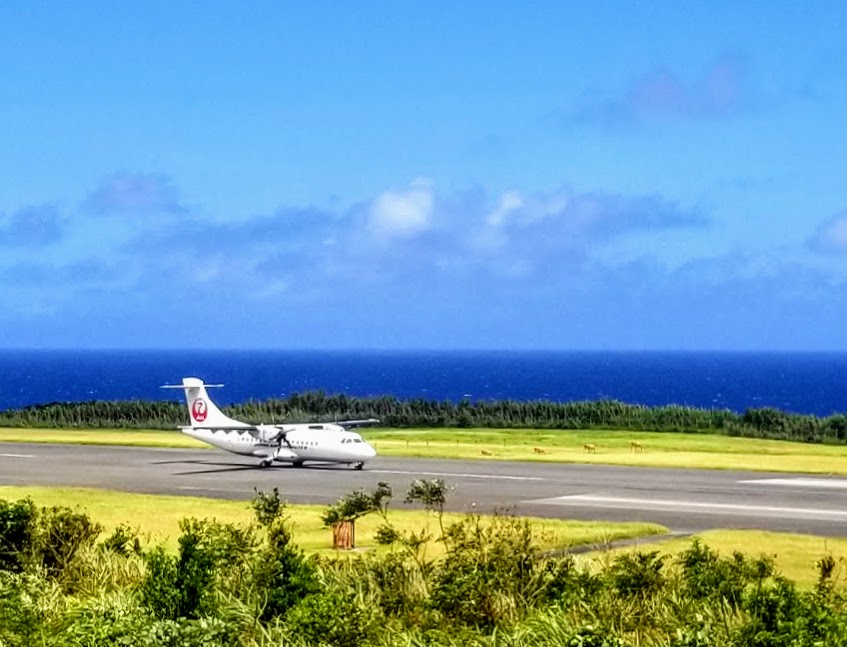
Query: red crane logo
x=199 y=410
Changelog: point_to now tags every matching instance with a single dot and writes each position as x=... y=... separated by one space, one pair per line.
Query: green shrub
x=564 y=582
x=17 y=530
x=396 y=583
x=267 y=507
x=122 y=541
x=590 y=636
x=706 y=575
x=61 y=534
x=487 y=571
x=160 y=591
x=329 y=618
x=638 y=574
x=31 y=605
x=184 y=586
x=283 y=575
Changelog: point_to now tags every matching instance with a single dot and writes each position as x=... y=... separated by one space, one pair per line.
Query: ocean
x=813 y=383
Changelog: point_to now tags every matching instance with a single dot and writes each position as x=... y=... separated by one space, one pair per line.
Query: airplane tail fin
x=202 y=412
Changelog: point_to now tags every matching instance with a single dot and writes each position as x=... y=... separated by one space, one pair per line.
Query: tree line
x=318 y=406
x=229 y=585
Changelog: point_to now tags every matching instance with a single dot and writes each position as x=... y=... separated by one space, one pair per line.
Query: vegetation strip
x=229 y=585
x=503 y=414
x=156 y=518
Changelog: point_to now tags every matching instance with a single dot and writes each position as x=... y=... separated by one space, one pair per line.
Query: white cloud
x=509 y=202
x=831 y=236
x=136 y=193
x=402 y=214
x=586 y=216
x=430 y=239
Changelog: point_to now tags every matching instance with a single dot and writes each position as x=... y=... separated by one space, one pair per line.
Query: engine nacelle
x=267 y=433
x=284 y=454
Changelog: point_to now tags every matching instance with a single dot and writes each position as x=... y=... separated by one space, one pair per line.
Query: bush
x=61 y=534
x=487 y=571
x=160 y=591
x=122 y=541
x=283 y=574
x=638 y=574
x=706 y=575
x=563 y=582
x=329 y=618
x=30 y=605
x=184 y=586
x=17 y=530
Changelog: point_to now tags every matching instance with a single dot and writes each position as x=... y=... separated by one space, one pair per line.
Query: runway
x=682 y=500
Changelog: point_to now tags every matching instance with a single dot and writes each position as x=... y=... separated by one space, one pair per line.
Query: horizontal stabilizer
x=245 y=427
x=188 y=386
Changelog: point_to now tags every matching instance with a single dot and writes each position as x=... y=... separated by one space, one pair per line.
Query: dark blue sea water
x=797 y=382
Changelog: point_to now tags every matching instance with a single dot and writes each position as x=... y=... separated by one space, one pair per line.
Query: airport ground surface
x=682 y=500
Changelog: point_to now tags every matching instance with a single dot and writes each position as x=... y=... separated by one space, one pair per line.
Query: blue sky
x=551 y=175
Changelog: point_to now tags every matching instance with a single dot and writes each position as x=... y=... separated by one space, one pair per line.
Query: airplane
x=287 y=443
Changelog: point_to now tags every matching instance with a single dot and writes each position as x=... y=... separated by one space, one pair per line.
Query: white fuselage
x=318 y=442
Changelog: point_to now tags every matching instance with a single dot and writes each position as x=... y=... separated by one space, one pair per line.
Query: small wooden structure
x=344 y=535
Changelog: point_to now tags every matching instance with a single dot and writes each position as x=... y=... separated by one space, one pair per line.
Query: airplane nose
x=368 y=451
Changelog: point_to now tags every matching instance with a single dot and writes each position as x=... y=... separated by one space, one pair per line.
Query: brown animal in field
x=636 y=446
x=591 y=449
x=539 y=450
x=485 y=452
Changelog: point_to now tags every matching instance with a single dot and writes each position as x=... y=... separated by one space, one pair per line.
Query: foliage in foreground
x=392 y=412
x=228 y=586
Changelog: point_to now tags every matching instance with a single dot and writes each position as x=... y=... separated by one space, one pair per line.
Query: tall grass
x=492 y=585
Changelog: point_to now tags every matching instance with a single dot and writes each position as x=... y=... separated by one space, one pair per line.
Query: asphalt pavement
x=682 y=500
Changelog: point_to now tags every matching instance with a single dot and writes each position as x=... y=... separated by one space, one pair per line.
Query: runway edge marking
x=588 y=500
x=503 y=477
x=801 y=481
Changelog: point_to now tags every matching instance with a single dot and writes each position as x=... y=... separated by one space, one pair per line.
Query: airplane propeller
x=273 y=434
x=269 y=433
x=283 y=438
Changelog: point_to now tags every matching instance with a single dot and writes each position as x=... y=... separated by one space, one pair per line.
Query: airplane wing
x=351 y=424
x=262 y=432
x=245 y=427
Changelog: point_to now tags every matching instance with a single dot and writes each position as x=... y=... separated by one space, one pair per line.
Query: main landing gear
x=358 y=466
x=266 y=462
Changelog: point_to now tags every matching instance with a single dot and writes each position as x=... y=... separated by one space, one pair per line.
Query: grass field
x=658 y=449
x=613 y=447
x=156 y=518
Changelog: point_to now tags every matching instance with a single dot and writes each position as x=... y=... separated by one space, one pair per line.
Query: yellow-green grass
x=658 y=449
x=156 y=519
x=794 y=555
x=129 y=437
x=613 y=447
